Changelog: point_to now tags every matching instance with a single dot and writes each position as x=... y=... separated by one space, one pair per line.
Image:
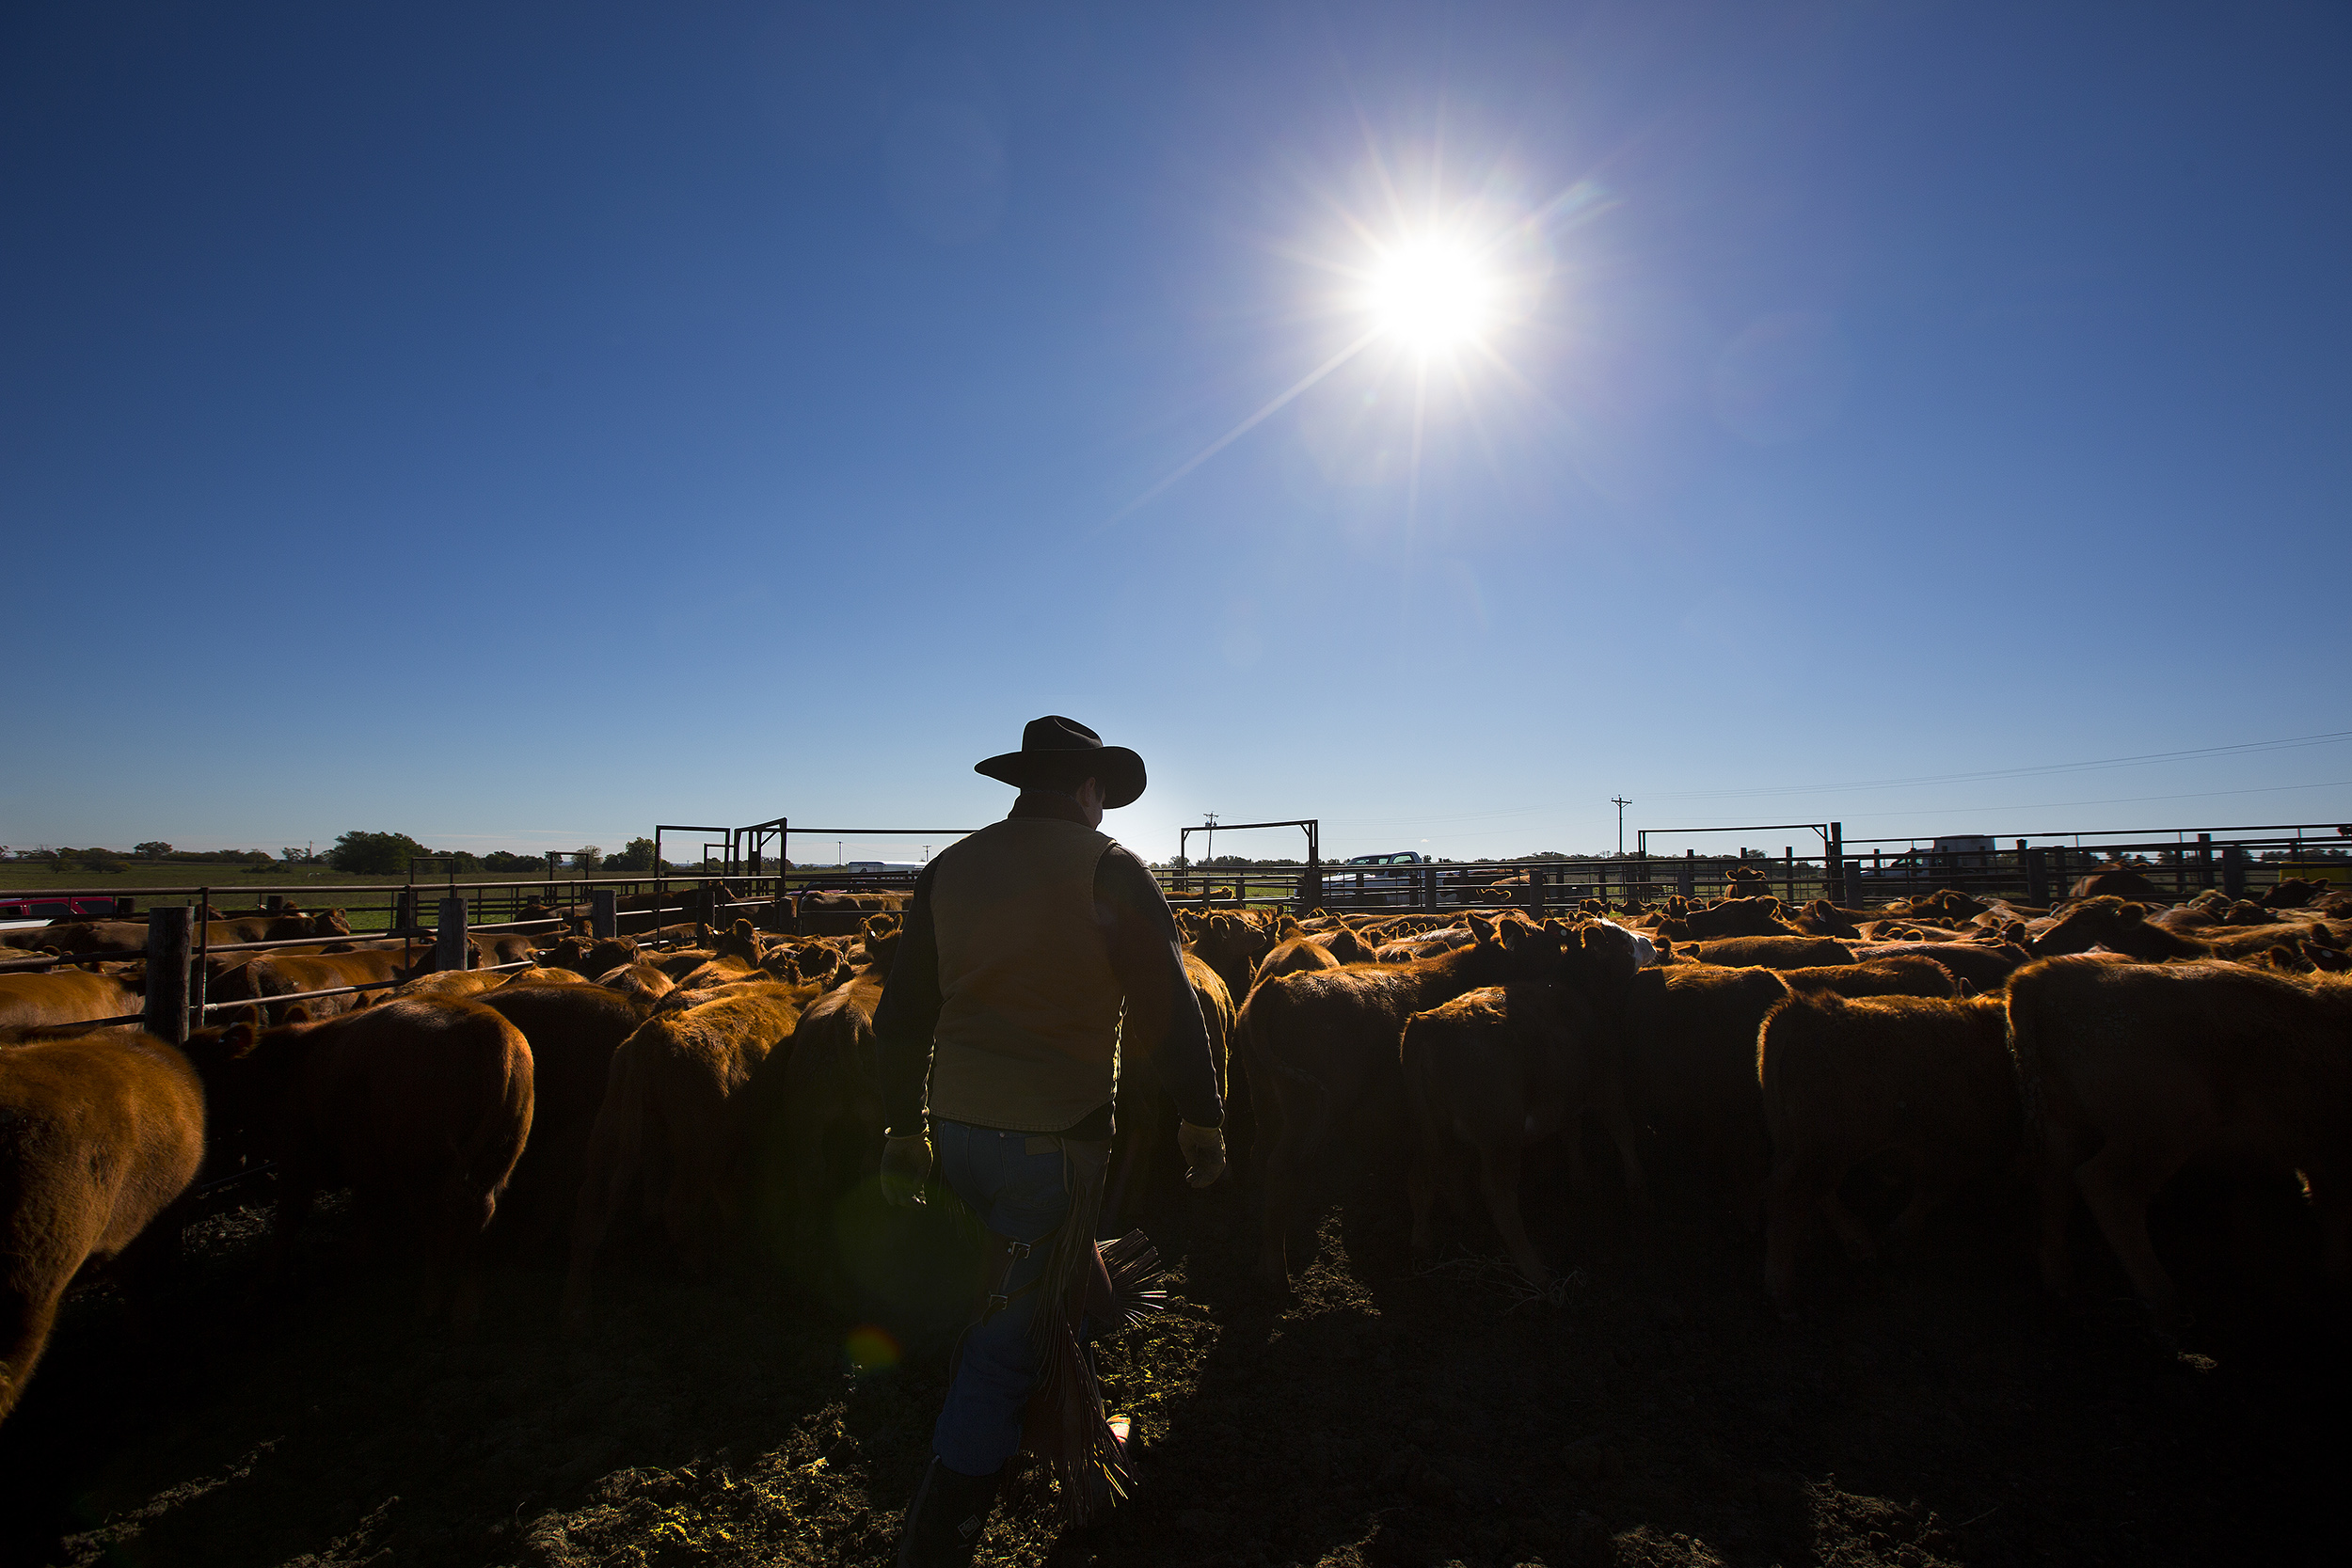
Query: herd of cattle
x=680 y=1091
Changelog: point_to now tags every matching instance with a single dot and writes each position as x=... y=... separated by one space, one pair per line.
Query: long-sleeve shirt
x=1161 y=1029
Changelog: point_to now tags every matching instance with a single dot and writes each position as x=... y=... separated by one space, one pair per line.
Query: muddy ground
x=1659 y=1412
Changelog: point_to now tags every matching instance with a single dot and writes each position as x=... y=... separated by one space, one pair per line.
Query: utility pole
x=1210 y=818
x=1620 y=802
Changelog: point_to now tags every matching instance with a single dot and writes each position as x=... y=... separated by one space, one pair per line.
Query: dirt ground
x=1657 y=1412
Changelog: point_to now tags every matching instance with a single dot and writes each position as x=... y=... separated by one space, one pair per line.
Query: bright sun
x=1431 y=294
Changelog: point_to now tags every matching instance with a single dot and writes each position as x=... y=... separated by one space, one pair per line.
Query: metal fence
x=2036 y=868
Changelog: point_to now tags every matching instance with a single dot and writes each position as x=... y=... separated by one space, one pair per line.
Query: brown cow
x=2121 y=927
x=2117 y=880
x=1985 y=966
x=1733 y=917
x=640 y=980
x=420 y=1106
x=573 y=1029
x=1923 y=1080
x=664 y=1129
x=812 y=1124
x=105 y=1133
x=1690 y=1054
x=1320 y=1048
x=68 y=996
x=273 y=975
x=1903 y=975
x=1145 y=1160
x=1295 y=955
x=1778 y=952
x=1505 y=1066
x=844 y=914
x=2132 y=1071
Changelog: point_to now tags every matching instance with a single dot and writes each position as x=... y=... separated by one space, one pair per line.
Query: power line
x=2246 y=748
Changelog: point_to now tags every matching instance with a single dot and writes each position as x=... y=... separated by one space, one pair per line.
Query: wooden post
x=2233 y=870
x=2037 y=875
x=404 y=911
x=1536 y=904
x=167 y=957
x=2204 y=859
x=1834 y=865
x=1687 y=877
x=450 y=950
x=2060 y=880
x=604 y=911
x=1429 y=888
x=1789 y=872
x=274 y=904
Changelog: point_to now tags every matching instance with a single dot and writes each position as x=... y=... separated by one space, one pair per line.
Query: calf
x=2132 y=1071
x=103 y=1135
x=1505 y=1066
x=1924 y=1081
x=1320 y=1051
x=422 y=1107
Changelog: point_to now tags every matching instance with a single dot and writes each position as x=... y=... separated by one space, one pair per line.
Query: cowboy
x=1038 y=957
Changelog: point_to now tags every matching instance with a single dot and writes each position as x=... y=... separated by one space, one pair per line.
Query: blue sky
x=514 y=426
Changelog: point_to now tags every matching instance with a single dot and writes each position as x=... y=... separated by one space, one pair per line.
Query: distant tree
x=295 y=854
x=506 y=859
x=637 y=857
x=460 y=859
x=154 y=850
x=374 y=854
x=590 y=857
x=104 y=862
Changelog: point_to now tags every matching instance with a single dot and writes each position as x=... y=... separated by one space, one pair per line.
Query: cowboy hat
x=1056 y=740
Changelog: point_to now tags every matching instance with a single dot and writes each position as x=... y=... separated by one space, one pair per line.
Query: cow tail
x=495 y=1142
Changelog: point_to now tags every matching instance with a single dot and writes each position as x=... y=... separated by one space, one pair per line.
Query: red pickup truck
x=28 y=911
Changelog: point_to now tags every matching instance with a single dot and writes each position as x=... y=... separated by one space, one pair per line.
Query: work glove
x=1204 y=1153
x=906 y=1164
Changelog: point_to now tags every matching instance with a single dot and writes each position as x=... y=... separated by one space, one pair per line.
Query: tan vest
x=1028 y=1036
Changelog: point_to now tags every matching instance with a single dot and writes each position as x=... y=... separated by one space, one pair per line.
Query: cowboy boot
x=945 y=1521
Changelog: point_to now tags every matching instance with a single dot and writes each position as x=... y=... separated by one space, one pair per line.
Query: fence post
x=1536 y=902
x=2233 y=870
x=2204 y=859
x=1429 y=888
x=450 y=950
x=604 y=911
x=2036 y=876
x=274 y=904
x=2059 y=879
x=405 y=910
x=1687 y=876
x=167 y=954
x=1834 y=865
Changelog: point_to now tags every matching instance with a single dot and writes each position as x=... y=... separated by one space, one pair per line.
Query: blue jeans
x=1024 y=1197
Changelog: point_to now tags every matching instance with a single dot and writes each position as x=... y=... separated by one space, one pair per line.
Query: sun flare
x=1431 y=295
